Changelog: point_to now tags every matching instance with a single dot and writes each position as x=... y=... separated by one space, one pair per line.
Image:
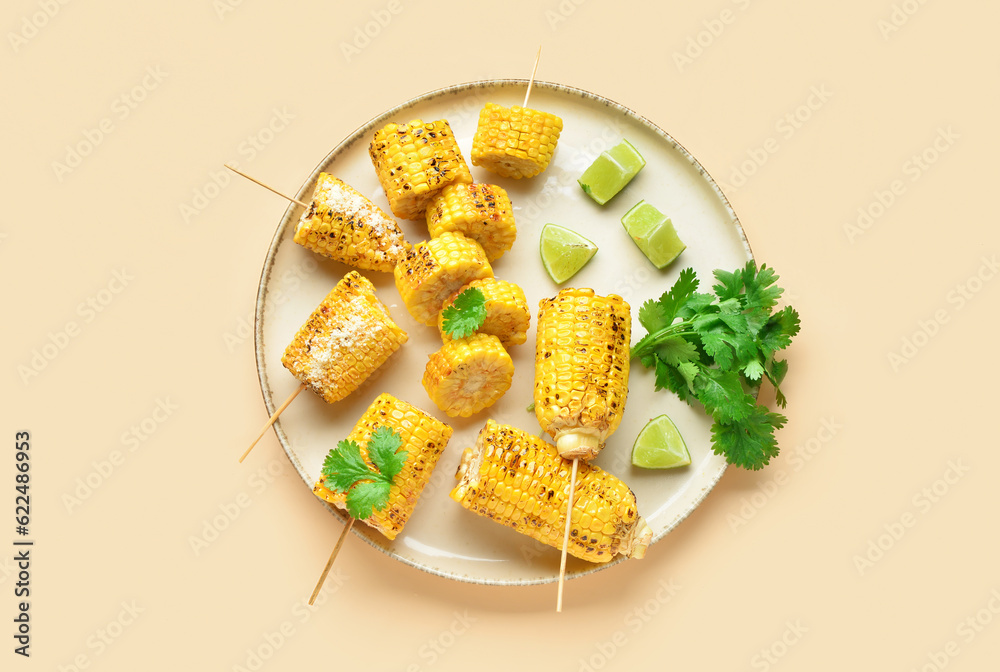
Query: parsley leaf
x=466 y=313
x=717 y=349
x=367 y=490
x=382 y=449
x=652 y=316
x=750 y=443
x=677 y=296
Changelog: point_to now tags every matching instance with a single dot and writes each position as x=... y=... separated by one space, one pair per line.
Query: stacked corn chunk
x=468 y=374
x=347 y=337
x=515 y=141
x=482 y=212
x=343 y=225
x=423 y=438
x=414 y=161
x=581 y=369
x=507 y=314
x=434 y=269
x=519 y=480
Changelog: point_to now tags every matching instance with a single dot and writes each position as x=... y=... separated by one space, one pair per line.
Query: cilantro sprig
x=466 y=313
x=344 y=470
x=717 y=349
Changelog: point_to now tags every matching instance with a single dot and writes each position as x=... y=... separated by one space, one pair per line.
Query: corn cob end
x=583 y=443
x=638 y=540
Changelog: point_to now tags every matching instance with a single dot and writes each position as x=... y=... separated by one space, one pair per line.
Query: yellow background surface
x=870 y=543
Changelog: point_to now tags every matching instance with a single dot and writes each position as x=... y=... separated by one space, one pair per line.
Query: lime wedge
x=564 y=252
x=654 y=233
x=660 y=446
x=611 y=171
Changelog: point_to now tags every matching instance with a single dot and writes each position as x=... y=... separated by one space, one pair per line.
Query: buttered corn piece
x=515 y=141
x=414 y=161
x=479 y=211
x=347 y=337
x=507 y=314
x=347 y=227
x=581 y=369
x=519 y=480
x=468 y=374
x=423 y=438
x=434 y=269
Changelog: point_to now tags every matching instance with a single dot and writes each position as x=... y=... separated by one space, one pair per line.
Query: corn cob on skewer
x=347 y=337
x=581 y=369
x=468 y=374
x=507 y=314
x=423 y=437
x=519 y=480
x=343 y=225
x=482 y=212
x=434 y=269
x=515 y=141
x=415 y=160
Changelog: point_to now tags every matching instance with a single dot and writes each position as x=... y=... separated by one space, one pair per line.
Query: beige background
x=776 y=573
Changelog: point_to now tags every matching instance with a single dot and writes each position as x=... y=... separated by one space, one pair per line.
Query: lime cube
x=611 y=171
x=654 y=233
x=564 y=252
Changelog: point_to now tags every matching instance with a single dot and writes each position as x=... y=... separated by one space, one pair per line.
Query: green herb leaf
x=652 y=316
x=466 y=313
x=367 y=489
x=679 y=294
x=382 y=449
x=366 y=497
x=749 y=443
x=344 y=466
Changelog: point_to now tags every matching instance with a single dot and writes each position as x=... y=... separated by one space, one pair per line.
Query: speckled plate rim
x=291 y=217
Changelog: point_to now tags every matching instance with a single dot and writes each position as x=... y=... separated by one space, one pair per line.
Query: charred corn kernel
x=507 y=314
x=434 y=269
x=519 y=480
x=347 y=337
x=581 y=369
x=515 y=141
x=468 y=374
x=479 y=211
x=423 y=438
x=345 y=226
x=414 y=161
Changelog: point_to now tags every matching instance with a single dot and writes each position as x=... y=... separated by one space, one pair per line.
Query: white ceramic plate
x=442 y=537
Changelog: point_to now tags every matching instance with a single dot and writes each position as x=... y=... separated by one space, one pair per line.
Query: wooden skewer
x=274 y=416
x=269 y=188
x=329 y=563
x=569 y=521
x=532 y=80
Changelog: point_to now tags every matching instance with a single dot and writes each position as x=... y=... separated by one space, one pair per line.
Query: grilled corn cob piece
x=434 y=269
x=507 y=314
x=581 y=369
x=479 y=211
x=414 y=161
x=423 y=438
x=519 y=480
x=468 y=374
x=515 y=141
x=347 y=337
x=345 y=226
